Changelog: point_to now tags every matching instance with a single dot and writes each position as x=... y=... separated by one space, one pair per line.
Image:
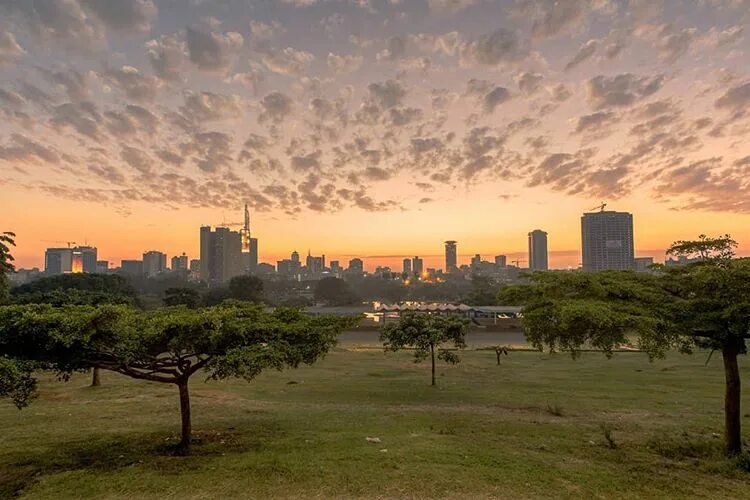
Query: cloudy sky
x=375 y=128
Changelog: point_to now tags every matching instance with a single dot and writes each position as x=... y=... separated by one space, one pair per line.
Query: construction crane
x=517 y=262
x=69 y=243
x=600 y=207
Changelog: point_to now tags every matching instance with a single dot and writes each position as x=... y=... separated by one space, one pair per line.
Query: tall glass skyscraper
x=538 y=260
x=450 y=256
x=607 y=240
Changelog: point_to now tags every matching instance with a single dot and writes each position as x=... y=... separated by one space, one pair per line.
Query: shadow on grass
x=111 y=452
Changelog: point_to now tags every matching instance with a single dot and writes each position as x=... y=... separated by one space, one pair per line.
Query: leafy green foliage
x=335 y=292
x=570 y=311
x=182 y=296
x=428 y=335
x=17 y=381
x=246 y=288
x=483 y=292
x=167 y=345
x=76 y=289
x=7 y=240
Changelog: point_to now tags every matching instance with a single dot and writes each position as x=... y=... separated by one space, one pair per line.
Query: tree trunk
x=96 y=380
x=732 y=430
x=432 y=352
x=184 y=447
x=498 y=357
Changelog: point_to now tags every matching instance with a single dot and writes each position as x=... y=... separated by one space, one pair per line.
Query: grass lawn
x=484 y=431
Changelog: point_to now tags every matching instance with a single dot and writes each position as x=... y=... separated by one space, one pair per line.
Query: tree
x=177 y=296
x=500 y=349
x=7 y=240
x=247 y=288
x=426 y=334
x=714 y=312
x=76 y=289
x=705 y=304
x=335 y=292
x=483 y=292
x=168 y=345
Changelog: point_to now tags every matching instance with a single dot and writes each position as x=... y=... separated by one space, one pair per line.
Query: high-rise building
x=643 y=264
x=315 y=265
x=58 y=261
x=249 y=246
x=538 y=250
x=607 y=240
x=221 y=255
x=501 y=261
x=450 y=256
x=407 y=266
x=102 y=266
x=180 y=263
x=356 y=266
x=195 y=266
x=417 y=265
x=132 y=267
x=154 y=263
x=70 y=260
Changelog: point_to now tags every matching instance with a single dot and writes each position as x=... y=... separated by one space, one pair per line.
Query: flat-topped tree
x=704 y=304
x=428 y=334
x=167 y=345
x=714 y=312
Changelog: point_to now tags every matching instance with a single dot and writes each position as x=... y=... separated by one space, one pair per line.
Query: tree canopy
x=76 y=289
x=168 y=345
x=7 y=240
x=429 y=335
x=704 y=304
x=335 y=292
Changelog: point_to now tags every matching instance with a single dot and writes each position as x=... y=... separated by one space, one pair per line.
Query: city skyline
x=371 y=128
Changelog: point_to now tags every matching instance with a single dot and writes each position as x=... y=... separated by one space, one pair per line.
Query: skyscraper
x=417 y=265
x=607 y=240
x=58 y=261
x=538 y=250
x=70 y=260
x=501 y=261
x=221 y=255
x=407 y=266
x=180 y=262
x=249 y=246
x=450 y=256
x=154 y=263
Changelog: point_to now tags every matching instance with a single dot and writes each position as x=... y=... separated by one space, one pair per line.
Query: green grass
x=484 y=431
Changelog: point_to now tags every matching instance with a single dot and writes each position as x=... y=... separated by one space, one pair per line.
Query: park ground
x=536 y=426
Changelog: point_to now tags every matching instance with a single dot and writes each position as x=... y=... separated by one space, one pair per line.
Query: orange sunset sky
x=375 y=129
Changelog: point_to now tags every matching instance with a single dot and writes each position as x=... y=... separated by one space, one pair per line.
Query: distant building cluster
x=607 y=242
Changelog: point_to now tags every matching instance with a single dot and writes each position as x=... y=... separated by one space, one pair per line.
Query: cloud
x=529 y=82
x=212 y=51
x=595 y=125
x=449 y=6
x=77 y=85
x=57 y=20
x=166 y=55
x=288 y=61
x=123 y=14
x=736 y=98
x=494 y=98
x=23 y=149
x=10 y=50
x=83 y=117
x=395 y=49
x=132 y=83
x=208 y=106
x=341 y=64
x=621 y=90
x=552 y=17
x=387 y=94
x=275 y=107
x=584 y=52
x=502 y=47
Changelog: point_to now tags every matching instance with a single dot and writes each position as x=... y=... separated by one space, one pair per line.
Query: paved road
x=370 y=338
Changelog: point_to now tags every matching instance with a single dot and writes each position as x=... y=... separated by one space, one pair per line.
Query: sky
x=371 y=128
